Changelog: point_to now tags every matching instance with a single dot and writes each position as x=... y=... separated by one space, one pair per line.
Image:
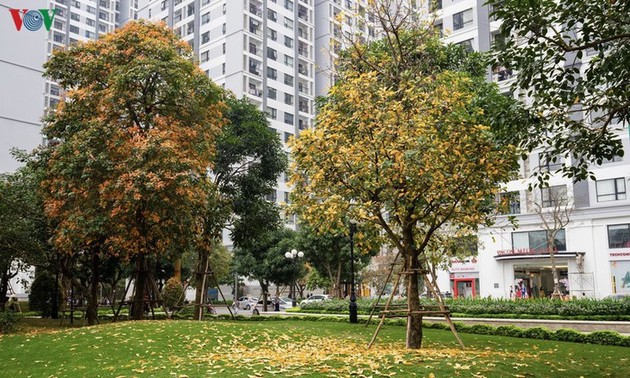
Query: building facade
x=592 y=250
x=27 y=42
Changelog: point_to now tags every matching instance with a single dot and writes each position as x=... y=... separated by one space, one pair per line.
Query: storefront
x=532 y=274
x=464 y=278
x=619 y=257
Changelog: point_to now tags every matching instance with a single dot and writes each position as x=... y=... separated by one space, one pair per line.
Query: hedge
x=578 y=309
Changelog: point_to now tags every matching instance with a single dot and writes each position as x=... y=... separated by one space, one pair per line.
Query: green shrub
x=569 y=335
x=606 y=338
x=535 y=308
x=537 y=333
x=8 y=320
x=173 y=293
x=42 y=293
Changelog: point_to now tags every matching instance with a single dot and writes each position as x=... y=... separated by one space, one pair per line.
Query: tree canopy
x=133 y=141
x=404 y=144
x=572 y=57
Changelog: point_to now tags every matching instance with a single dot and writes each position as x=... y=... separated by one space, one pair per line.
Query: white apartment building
x=26 y=94
x=261 y=50
x=593 y=250
x=26 y=45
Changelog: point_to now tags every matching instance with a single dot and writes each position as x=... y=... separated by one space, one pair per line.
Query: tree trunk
x=92 y=305
x=414 y=322
x=137 y=312
x=200 y=276
x=551 y=242
x=265 y=289
x=177 y=273
x=4 y=287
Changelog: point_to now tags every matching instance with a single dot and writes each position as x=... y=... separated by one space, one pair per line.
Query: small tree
x=555 y=210
x=404 y=143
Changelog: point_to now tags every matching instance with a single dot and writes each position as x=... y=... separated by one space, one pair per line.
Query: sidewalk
x=577 y=325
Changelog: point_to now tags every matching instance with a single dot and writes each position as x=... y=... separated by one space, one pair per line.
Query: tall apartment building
x=261 y=50
x=593 y=250
x=26 y=94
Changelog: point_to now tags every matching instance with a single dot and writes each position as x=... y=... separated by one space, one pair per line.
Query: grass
x=289 y=348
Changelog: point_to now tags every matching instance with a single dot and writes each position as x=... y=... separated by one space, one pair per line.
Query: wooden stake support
x=390 y=310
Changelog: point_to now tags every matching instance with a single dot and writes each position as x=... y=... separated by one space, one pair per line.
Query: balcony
x=254 y=68
x=500 y=74
x=254 y=91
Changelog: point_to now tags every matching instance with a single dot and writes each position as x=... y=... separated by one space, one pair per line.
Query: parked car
x=619 y=296
x=315 y=298
x=271 y=302
x=246 y=302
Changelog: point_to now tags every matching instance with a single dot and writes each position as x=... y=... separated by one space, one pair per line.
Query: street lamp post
x=293 y=255
x=353 y=298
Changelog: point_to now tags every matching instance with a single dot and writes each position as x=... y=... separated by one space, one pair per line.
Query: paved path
x=577 y=325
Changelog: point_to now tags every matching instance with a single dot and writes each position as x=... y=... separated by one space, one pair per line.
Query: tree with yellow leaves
x=408 y=142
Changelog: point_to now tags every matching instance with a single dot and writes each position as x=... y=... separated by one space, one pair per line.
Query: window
x=205 y=56
x=271 y=93
x=205 y=37
x=619 y=236
x=463 y=19
x=288 y=42
x=288 y=80
x=74 y=16
x=288 y=23
x=288 y=61
x=272 y=15
x=273 y=113
x=510 y=203
x=223 y=48
x=467 y=45
x=223 y=68
x=190 y=10
x=74 y=29
x=288 y=4
x=271 y=197
x=271 y=53
x=288 y=118
x=288 y=99
x=205 y=18
x=550 y=163
x=272 y=34
x=272 y=73
x=553 y=196
x=439 y=29
x=538 y=241
x=223 y=29
x=614 y=159
x=287 y=136
x=611 y=190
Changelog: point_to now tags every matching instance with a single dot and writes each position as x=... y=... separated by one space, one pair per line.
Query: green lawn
x=290 y=348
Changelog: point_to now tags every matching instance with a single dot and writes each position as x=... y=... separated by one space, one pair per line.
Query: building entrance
x=537 y=281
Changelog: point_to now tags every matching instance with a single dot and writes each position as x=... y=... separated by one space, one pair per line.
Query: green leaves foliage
x=572 y=57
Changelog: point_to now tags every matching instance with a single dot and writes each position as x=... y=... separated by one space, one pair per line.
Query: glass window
x=288 y=42
x=550 y=163
x=288 y=118
x=553 y=196
x=510 y=203
x=271 y=93
x=288 y=80
x=619 y=236
x=463 y=19
x=272 y=73
x=537 y=241
x=611 y=190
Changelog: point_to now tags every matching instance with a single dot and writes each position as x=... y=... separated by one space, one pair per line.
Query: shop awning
x=518 y=255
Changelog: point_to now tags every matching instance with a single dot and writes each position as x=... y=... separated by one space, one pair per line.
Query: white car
x=246 y=302
x=315 y=298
